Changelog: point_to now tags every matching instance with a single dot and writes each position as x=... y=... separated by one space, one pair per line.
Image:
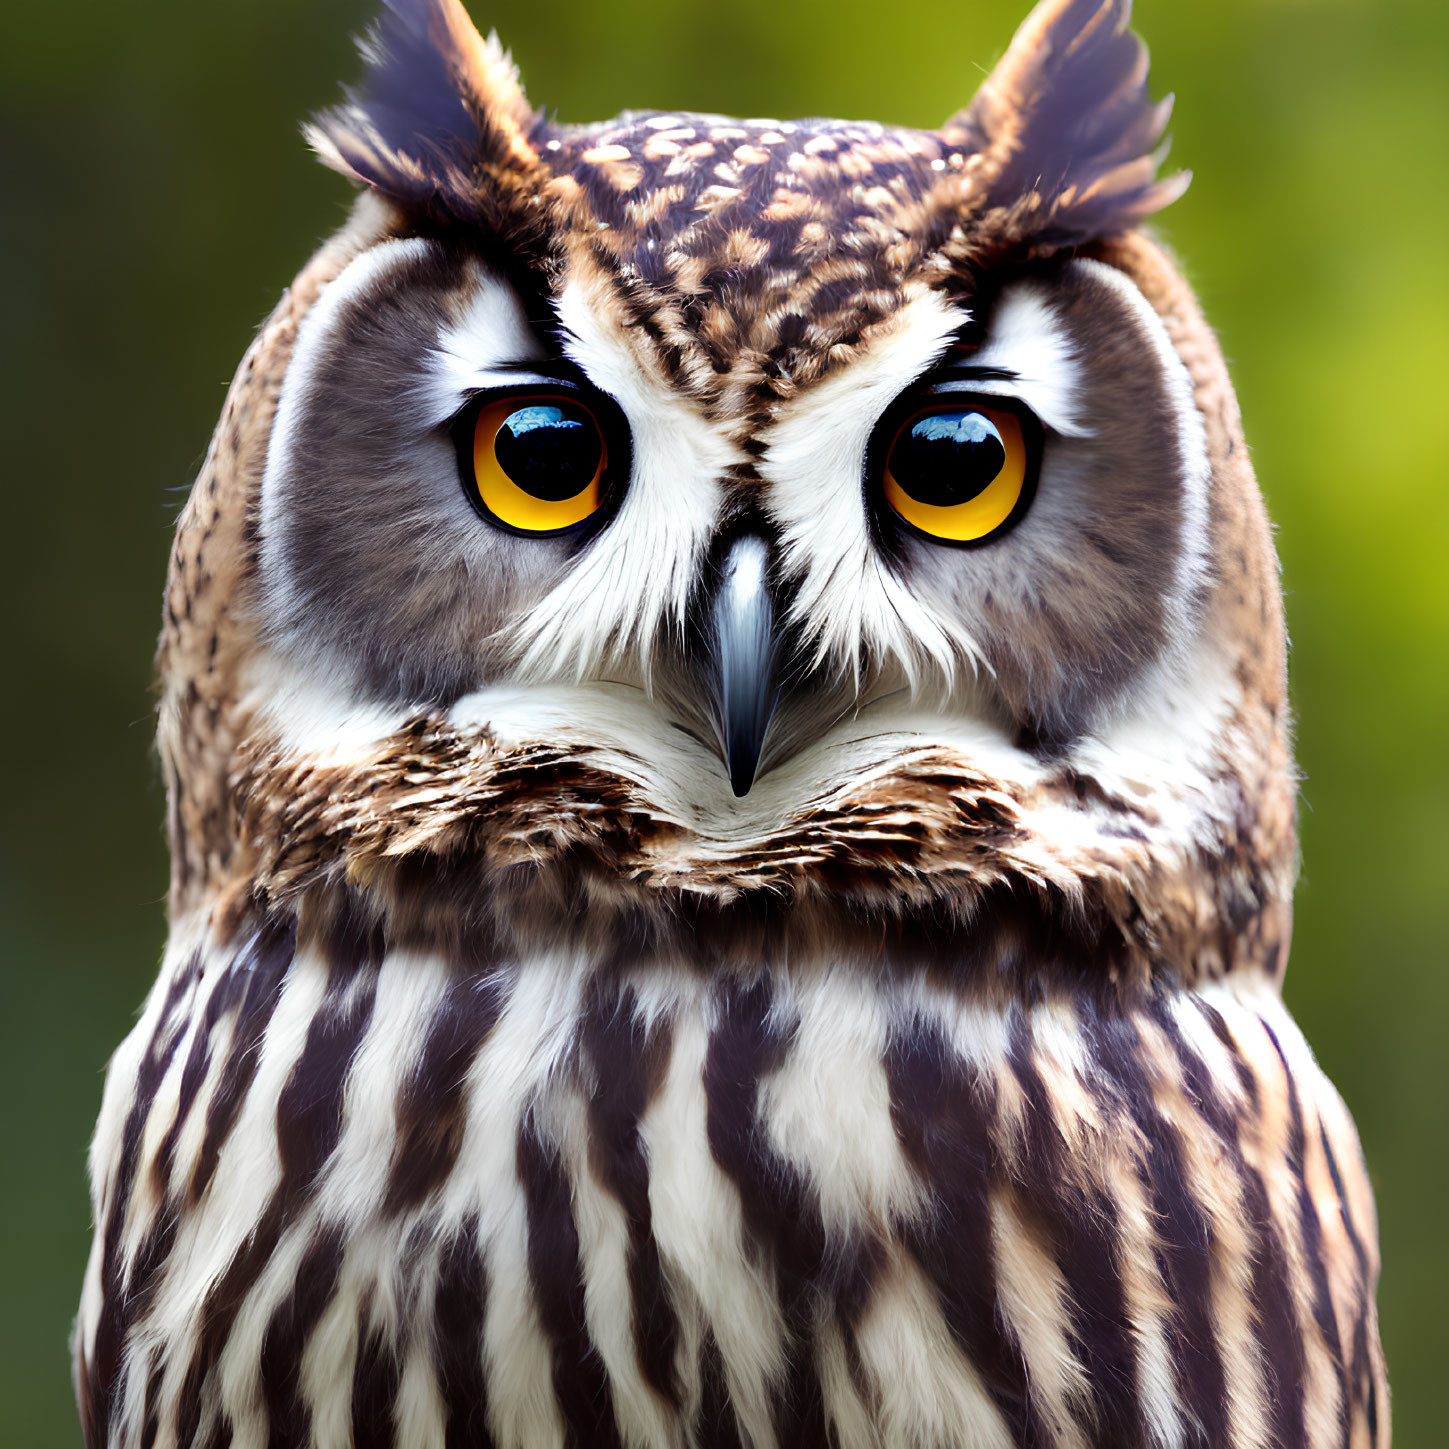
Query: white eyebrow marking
x=470 y=355
x=1027 y=338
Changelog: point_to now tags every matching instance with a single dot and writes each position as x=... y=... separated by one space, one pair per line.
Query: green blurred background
x=158 y=198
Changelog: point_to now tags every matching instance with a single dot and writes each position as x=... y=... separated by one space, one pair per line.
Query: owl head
x=801 y=535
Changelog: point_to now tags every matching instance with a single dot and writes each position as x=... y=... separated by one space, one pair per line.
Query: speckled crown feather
x=810 y=229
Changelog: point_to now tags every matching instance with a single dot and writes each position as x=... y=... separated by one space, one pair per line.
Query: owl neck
x=1010 y=940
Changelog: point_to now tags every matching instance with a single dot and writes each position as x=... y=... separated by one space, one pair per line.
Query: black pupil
x=947 y=458
x=550 y=450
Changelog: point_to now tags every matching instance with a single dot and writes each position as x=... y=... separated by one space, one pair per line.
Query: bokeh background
x=157 y=197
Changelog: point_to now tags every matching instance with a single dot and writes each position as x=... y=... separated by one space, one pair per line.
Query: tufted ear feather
x=1067 y=139
x=439 y=122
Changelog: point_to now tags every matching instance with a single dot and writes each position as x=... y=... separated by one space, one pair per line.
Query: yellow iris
x=957 y=472
x=538 y=462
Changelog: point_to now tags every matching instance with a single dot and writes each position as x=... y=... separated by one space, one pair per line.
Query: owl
x=722 y=702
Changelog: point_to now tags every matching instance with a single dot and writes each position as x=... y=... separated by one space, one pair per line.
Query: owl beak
x=742 y=640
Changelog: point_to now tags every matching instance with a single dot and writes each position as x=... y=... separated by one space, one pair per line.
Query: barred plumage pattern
x=357 y=1193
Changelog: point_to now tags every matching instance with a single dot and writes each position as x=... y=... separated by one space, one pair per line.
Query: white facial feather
x=1026 y=337
x=634 y=579
x=849 y=601
x=494 y=330
x=1167 y=760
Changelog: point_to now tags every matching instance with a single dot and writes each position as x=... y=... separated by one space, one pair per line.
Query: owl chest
x=546 y=1203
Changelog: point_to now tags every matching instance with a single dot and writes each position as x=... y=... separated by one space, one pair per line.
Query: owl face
x=814 y=508
x=996 y=510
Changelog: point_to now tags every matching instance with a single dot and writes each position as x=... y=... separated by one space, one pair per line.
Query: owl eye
x=536 y=463
x=958 y=471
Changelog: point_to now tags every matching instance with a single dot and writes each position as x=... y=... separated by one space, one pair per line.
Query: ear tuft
x=1067 y=140
x=439 y=113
